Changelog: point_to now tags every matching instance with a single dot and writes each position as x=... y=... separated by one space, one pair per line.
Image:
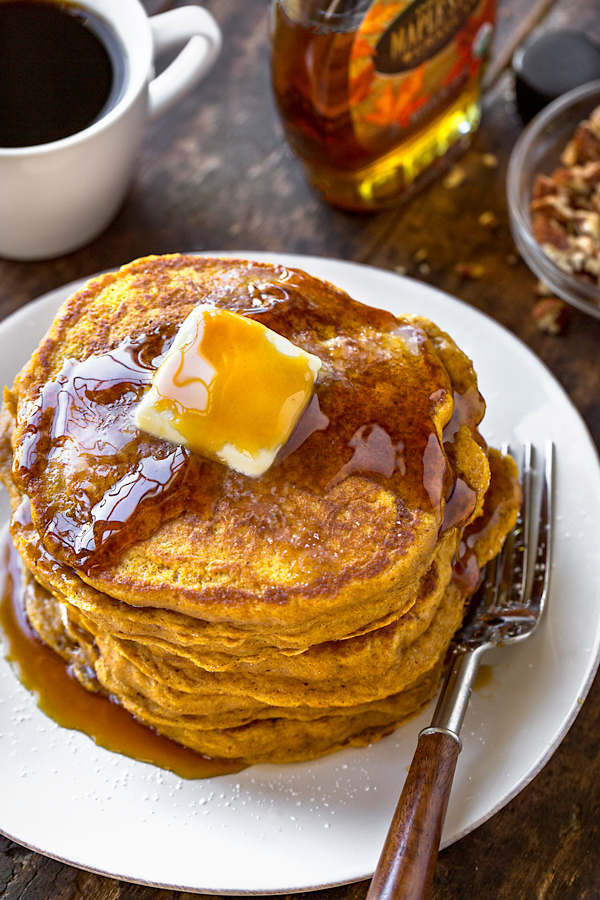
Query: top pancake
x=337 y=534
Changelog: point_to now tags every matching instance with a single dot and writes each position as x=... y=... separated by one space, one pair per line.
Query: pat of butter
x=230 y=389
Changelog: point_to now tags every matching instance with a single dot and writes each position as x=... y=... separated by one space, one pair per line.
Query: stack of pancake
x=263 y=619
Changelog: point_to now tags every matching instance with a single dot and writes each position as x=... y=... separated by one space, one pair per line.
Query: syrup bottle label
x=410 y=59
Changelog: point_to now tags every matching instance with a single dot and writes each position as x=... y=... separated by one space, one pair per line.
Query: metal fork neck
x=456 y=691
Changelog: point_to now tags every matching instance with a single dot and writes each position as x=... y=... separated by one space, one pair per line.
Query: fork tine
x=497 y=572
x=528 y=592
x=518 y=576
x=514 y=585
x=540 y=580
x=513 y=559
x=495 y=569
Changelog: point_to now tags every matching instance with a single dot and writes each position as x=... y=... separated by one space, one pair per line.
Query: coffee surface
x=61 y=68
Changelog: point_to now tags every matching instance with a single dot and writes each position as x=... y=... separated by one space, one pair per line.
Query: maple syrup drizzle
x=466 y=572
x=460 y=505
x=63 y=699
x=123 y=484
x=468 y=410
x=117 y=485
x=461 y=499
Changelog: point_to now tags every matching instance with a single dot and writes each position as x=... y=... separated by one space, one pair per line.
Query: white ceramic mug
x=58 y=196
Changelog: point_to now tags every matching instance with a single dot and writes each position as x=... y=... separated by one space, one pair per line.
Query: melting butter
x=230 y=389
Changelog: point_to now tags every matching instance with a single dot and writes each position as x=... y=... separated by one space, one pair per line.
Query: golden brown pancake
x=273 y=618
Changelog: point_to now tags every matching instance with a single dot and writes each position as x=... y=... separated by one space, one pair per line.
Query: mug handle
x=197 y=27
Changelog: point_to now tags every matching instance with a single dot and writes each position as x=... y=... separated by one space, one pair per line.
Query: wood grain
x=407 y=864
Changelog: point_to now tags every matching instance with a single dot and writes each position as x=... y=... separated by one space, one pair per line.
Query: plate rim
x=299 y=260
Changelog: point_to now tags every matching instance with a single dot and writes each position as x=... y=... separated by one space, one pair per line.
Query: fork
x=506 y=608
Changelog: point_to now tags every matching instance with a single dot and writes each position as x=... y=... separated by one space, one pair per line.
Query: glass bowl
x=536 y=152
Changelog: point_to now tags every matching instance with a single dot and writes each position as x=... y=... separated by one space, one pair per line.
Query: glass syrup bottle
x=377 y=97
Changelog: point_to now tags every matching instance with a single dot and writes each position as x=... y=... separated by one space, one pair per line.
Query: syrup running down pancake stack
x=266 y=619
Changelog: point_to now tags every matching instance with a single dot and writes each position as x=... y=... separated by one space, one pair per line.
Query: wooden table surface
x=215 y=174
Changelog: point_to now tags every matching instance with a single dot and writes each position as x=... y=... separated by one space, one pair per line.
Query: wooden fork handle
x=405 y=869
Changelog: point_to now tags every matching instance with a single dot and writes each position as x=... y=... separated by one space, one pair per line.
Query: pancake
x=268 y=619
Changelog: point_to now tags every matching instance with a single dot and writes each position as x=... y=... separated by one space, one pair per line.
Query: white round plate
x=278 y=829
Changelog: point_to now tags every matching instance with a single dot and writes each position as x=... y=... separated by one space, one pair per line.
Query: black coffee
x=61 y=68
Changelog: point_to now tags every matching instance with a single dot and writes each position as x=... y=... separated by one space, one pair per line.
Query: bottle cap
x=548 y=66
